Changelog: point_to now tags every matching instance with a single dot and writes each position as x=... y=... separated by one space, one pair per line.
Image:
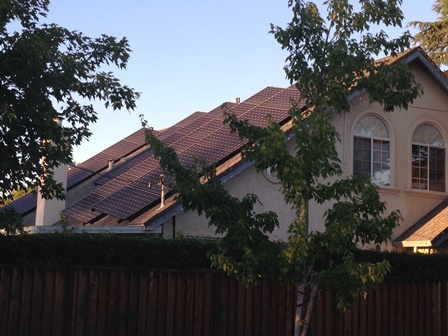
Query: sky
x=187 y=55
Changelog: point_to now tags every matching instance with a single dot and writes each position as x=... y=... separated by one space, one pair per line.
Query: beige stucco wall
x=431 y=107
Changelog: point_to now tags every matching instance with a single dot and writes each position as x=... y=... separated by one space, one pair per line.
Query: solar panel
x=257 y=115
x=126 y=202
x=188 y=120
x=282 y=100
x=125 y=189
x=194 y=125
x=209 y=154
x=170 y=139
x=82 y=210
x=24 y=203
x=76 y=175
x=153 y=177
x=263 y=95
x=217 y=112
x=137 y=138
x=223 y=139
x=124 y=168
x=111 y=187
x=239 y=108
x=206 y=129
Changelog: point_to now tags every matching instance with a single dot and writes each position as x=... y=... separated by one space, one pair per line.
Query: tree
x=329 y=58
x=47 y=71
x=433 y=36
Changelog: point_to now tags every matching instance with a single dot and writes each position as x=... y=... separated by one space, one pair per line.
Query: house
x=404 y=152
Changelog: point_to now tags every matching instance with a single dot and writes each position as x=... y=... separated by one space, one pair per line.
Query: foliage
x=433 y=36
x=11 y=222
x=15 y=194
x=329 y=58
x=153 y=252
x=48 y=71
x=112 y=250
x=245 y=249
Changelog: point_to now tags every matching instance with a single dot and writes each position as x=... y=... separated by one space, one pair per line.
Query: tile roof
x=123 y=192
x=430 y=230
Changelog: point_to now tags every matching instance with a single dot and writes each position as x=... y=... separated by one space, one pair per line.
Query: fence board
x=71 y=301
x=25 y=302
x=60 y=278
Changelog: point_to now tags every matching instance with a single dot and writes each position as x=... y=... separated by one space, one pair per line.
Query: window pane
x=361 y=156
x=371 y=126
x=428 y=167
x=372 y=149
x=437 y=169
x=381 y=162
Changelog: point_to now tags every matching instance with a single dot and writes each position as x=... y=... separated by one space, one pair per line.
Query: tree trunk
x=309 y=310
x=299 y=309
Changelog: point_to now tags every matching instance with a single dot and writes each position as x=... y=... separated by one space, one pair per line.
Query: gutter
x=91 y=229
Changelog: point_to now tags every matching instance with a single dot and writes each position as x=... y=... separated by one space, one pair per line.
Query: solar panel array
x=123 y=192
x=87 y=169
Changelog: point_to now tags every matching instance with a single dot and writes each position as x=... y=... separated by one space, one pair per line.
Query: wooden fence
x=98 y=301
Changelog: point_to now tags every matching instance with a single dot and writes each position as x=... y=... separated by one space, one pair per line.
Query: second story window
x=371 y=152
x=428 y=159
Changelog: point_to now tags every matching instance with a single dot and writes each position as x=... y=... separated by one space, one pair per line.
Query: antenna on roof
x=162 y=189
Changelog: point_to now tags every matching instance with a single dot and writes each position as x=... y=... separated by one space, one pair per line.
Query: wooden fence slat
x=436 y=308
x=266 y=307
x=143 y=302
x=257 y=310
x=240 y=308
x=222 y=309
x=80 y=301
x=274 y=307
x=189 y=304
x=170 y=307
x=198 y=304
x=103 y=301
x=14 y=300
x=209 y=304
x=25 y=302
x=37 y=302
x=60 y=305
x=180 y=306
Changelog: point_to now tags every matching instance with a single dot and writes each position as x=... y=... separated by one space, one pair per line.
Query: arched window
x=428 y=159
x=372 y=150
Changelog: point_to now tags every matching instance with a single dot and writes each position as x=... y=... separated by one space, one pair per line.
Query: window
x=372 y=150
x=428 y=159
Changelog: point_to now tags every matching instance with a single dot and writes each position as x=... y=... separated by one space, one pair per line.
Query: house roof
x=79 y=173
x=122 y=196
x=430 y=230
x=417 y=54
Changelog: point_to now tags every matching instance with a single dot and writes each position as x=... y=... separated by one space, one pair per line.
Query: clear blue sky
x=188 y=55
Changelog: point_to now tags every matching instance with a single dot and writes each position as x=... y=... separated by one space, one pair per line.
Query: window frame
x=430 y=182
x=372 y=138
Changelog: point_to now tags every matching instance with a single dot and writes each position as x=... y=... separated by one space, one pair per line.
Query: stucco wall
x=432 y=108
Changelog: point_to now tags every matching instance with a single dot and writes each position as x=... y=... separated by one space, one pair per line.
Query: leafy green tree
x=48 y=71
x=433 y=36
x=330 y=57
x=11 y=222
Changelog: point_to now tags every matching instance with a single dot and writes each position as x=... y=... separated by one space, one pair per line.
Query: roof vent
x=236 y=100
x=111 y=165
